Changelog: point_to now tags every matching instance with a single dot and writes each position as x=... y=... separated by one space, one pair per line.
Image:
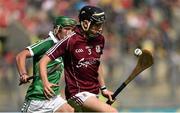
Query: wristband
x=103 y=88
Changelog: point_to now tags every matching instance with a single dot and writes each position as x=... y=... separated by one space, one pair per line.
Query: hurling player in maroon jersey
x=81 y=52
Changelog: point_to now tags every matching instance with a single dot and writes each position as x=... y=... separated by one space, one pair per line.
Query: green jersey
x=54 y=68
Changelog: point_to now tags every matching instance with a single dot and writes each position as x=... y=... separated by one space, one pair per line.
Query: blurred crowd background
x=130 y=24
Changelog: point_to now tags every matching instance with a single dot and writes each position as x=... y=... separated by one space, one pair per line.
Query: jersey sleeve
x=57 y=50
x=40 y=47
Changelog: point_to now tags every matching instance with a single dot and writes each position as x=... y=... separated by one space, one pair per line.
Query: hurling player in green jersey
x=35 y=99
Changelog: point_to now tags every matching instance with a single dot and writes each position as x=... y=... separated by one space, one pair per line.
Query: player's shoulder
x=73 y=35
x=48 y=39
x=100 y=38
x=70 y=35
x=41 y=41
x=67 y=39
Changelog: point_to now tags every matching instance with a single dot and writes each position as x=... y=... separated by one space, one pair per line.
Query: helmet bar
x=98 y=14
x=98 y=18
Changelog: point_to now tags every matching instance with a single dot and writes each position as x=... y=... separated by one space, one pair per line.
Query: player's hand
x=48 y=92
x=24 y=79
x=108 y=94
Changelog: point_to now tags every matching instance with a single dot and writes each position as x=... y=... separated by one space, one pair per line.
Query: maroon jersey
x=81 y=62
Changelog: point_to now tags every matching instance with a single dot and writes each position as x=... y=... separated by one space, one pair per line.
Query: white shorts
x=80 y=98
x=43 y=106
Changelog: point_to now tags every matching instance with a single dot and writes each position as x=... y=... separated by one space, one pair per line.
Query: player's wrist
x=22 y=74
x=45 y=81
x=103 y=88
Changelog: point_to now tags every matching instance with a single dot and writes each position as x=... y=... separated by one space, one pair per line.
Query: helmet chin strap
x=87 y=28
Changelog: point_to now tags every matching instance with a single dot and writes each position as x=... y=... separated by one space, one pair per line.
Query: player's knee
x=110 y=109
x=71 y=109
x=65 y=108
x=68 y=108
x=114 y=110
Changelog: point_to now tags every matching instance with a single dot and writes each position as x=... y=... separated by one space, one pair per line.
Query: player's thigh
x=95 y=104
x=65 y=108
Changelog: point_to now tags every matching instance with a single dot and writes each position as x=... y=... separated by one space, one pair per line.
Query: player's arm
x=43 y=74
x=43 y=70
x=21 y=64
x=101 y=77
x=34 y=49
x=55 y=52
x=103 y=88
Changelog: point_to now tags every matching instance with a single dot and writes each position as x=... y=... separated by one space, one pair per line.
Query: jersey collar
x=55 y=40
x=79 y=31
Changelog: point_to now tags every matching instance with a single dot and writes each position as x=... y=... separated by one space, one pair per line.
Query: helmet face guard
x=95 y=30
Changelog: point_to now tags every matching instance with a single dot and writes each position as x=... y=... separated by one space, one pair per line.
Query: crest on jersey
x=98 y=49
